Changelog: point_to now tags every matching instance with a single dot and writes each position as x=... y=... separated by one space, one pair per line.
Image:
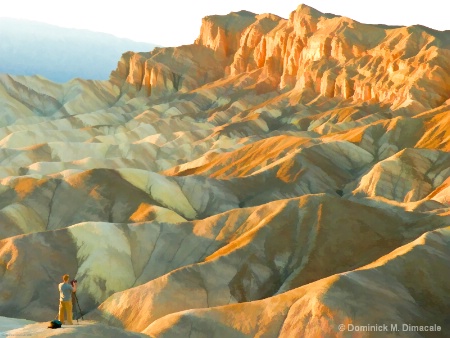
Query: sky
x=177 y=22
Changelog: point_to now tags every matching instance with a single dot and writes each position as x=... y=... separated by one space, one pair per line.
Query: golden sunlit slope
x=273 y=161
x=390 y=291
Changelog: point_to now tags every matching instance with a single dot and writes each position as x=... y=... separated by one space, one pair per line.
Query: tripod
x=76 y=298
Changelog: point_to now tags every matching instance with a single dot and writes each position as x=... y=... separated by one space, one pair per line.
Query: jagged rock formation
x=300 y=162
x=318 y=54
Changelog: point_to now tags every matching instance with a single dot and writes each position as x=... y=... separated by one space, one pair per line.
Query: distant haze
x=60 y=54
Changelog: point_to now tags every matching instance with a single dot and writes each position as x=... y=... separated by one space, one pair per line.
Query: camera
x=73 y=281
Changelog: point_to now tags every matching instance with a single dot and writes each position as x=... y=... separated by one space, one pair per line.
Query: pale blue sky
x=176 y=22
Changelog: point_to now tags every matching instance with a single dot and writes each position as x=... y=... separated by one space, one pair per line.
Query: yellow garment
x=65 y=306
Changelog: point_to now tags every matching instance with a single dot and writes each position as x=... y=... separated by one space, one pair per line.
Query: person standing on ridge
x=65 y=299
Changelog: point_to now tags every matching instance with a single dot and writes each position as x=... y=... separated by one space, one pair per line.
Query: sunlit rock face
x=277 y=176
x=318 y=54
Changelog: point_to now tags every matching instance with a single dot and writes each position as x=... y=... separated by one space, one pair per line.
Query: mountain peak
x=308 y=10
x=231 y=21
x=221 y=33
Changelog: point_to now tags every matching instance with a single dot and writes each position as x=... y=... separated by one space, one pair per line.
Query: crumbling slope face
x=320 y=55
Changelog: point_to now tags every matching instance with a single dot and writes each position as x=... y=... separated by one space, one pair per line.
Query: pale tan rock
x=320 y=307
x=410 y=175
x=437 y=132
x=222 y=280
x=222 y=33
